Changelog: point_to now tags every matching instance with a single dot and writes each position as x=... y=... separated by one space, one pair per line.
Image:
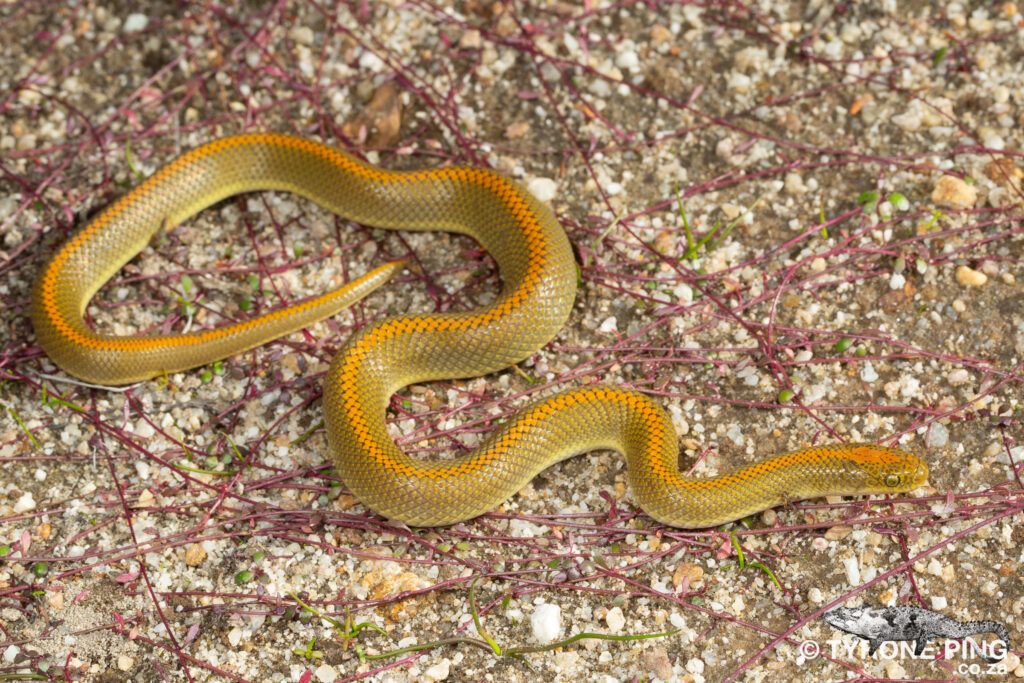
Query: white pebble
x=11 y=653
x=993 y=141
x=938 y=435
x=544 y=189
x=909 y=121
x=867 y=372
x=684 y=293
x=546 y=621
x=439 y=671
x=958 y=376
x=628 y=60
x=852 y=571
x=25 y=503
x=235 y=636
x=938 y=602
x=135 y=22
x=326 y=673
x=739 y=82
x=615 y=619
x=794 y=184
x=610 y=324
x=144 y=429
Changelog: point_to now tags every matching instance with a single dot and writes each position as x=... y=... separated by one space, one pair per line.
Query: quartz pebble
x=546 y=622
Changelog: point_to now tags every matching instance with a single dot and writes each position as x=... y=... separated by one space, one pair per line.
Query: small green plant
x=868 y=200
x=710 y=238
x=742 y=563
x=128 y=159
x=899 y=201
x=308 y=652
x=23 y=427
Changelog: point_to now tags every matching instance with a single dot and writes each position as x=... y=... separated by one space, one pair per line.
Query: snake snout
x=877 y=469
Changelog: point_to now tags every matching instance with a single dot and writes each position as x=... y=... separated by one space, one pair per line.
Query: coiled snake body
x=539 y=281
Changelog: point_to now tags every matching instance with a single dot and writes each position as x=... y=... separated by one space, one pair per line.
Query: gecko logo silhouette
x=879 y=625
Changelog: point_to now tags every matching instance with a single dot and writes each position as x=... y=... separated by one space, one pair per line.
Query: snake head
x=877 y=469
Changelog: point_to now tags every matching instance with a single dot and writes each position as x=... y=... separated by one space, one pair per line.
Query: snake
x=538 y=276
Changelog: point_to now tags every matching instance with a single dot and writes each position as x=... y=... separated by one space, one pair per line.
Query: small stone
x=25 y=503
x=470 y=40
x=867 y=373
x=11 y=653
x=695 y=666
x=301 y=34
x=750 y=58
x=235 y=636
x=815 y=595
x=687 y=574
x=658 y=662
x=954 y=193
x=838 y=532
x=544 y=189
x=195 y=555
x=958 y=376
x=852 y=568
x=660 y=34
x=546 y=622
x=135 y=22
x=1004 y=172
x=938 y=435
x=910 y=120
x=439 y=671
x=125 y=663
x=939 y=602
x=326 y=673
x=55 y=599
x=627 y=59
x=968 y=277
x=615 y=619
x=517 y=130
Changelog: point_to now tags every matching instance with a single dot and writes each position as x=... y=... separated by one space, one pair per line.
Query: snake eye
x=892 y=480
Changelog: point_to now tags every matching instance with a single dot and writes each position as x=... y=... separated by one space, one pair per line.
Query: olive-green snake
x=539 y=283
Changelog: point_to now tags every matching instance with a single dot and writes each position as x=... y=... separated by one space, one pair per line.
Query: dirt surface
x=796 y=223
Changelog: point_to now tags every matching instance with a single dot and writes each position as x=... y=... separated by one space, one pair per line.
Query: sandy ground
x=856 y=170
